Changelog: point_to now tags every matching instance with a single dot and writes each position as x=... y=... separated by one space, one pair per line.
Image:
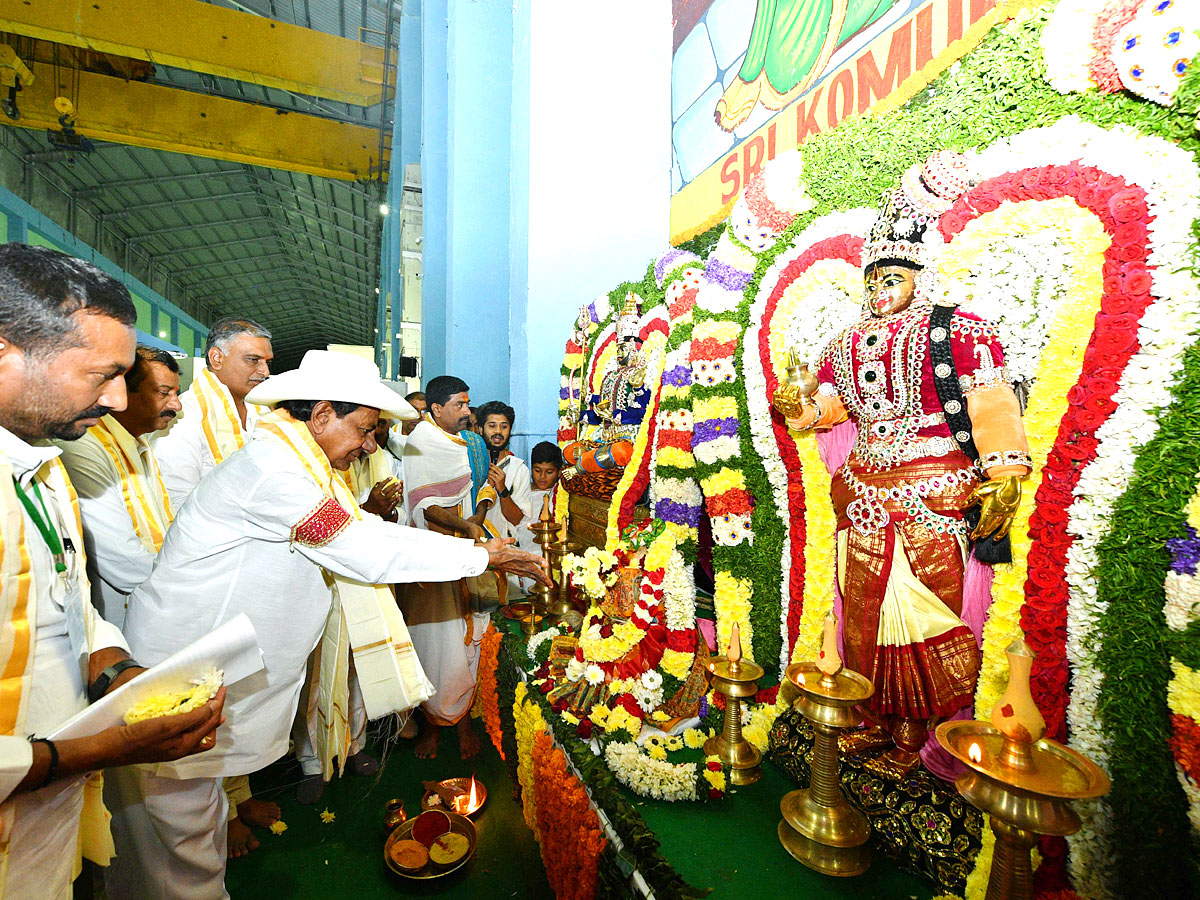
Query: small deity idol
x=616 y=411
x=939 y=430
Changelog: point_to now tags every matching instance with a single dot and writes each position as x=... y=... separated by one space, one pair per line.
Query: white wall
x=593 y=147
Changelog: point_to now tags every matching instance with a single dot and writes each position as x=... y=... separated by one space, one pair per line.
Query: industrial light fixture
x=383 y=209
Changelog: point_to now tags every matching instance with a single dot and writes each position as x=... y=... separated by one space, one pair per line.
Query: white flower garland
x=857 y=222
x=1172 y=184
x=1067 y=44
x=650 y=777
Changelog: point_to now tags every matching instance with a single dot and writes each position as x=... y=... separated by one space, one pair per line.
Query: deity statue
x=615 y=413
x=934 y=473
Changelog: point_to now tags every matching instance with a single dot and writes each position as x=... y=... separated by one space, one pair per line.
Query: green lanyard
x=41 y=521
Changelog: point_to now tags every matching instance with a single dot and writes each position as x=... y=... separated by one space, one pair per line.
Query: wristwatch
x=99 y=687
x=507 y=492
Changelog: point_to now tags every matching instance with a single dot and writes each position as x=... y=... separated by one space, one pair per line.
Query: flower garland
x=637 y=471
x=804 y=510
x=565 y=815
x=1108 y=420
x=644 y=774
x=527 y=716
x=487 y=695
x=674 y=493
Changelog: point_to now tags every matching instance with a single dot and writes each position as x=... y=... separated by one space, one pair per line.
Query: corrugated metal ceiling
x=298 y=253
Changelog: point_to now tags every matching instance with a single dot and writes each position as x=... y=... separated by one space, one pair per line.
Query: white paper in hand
x=232 y=648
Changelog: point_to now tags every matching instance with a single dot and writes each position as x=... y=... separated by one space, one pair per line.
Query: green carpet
x=731 y=846
x=344 y=859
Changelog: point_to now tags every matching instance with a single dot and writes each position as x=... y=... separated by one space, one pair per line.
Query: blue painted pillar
x=435 y=179
x=477 y=254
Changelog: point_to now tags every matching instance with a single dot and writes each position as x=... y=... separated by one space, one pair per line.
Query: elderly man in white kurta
x=126 y=511
x=62 y=323
x=216 y=418
x=265 y=534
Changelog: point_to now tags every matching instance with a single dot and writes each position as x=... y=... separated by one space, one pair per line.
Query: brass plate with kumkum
x=520 y=611
x=459 y=825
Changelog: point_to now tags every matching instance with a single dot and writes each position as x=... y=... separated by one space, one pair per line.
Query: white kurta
x=229 y=551
x=44 y=840
x=516 y=479
x=183 y=452
x=118 y=561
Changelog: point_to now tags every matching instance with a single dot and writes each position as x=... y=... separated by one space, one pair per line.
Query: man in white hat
x=275 y=532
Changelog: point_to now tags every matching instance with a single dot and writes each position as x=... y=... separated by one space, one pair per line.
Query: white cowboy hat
x=330 y=375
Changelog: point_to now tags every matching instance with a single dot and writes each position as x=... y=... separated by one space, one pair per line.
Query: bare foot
x=893 y=765
x=262 y=813
x=241 y=839
x=410 y=729
x=468 y=741
x=426 y=746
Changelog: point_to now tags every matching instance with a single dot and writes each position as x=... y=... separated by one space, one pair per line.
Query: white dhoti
x=170 y=835
x=309 y=717
x=439 y=615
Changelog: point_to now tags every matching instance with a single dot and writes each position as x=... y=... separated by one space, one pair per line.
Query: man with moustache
x=446 y=619
x=122 y=497
x=276 y=533
x=216 y=418
x=66 y=338
x=215 y=421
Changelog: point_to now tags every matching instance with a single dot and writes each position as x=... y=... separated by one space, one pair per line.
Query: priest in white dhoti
x=216 y=417
x=63 y=322
x=275 y=533
x=447 y=619
x=124 y=502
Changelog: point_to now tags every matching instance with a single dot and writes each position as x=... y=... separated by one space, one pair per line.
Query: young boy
x=545 y=464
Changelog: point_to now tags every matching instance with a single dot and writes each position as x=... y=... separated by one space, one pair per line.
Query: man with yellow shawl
x=66 y=336
x=275 y=533
x=216 y=417
x=215 y=421
x=122 y=497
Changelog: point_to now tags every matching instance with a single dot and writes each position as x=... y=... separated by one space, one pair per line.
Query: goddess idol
x=938 y=430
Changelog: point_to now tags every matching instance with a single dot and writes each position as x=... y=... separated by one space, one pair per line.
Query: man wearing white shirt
x=267 y=533
x=215 y=421
x=216 y=418
x=122 y=497
x=66 y=337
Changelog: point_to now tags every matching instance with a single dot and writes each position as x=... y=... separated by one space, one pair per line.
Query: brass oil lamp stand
x=819 y=827
x=736 y=678
x=561 y=604
x=544 y=531
x=1023 y=781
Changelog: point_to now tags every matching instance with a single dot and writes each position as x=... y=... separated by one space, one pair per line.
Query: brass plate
x=460 y=824
x=520 y=612
x=465 y=785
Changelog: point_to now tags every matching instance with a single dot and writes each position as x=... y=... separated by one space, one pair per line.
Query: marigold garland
x=571 y=838
x=528 y=723
x=487 y=694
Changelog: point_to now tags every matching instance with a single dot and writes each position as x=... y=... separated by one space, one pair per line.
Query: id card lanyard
x=41 y=521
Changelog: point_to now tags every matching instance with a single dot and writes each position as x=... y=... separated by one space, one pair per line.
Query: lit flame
x=974 y=753
x=474 y=800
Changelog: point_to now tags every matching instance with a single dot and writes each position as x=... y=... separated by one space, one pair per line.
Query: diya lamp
x=544 y=530
x=799 y=384
x=736 y=678
x=1021 y=779
x=819 y=827
x=561 y=605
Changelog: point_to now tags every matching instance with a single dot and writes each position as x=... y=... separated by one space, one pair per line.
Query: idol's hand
x=998 y=499
x=504 y=556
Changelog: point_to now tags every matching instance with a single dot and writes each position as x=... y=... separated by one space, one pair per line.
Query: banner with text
x=751 y=82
